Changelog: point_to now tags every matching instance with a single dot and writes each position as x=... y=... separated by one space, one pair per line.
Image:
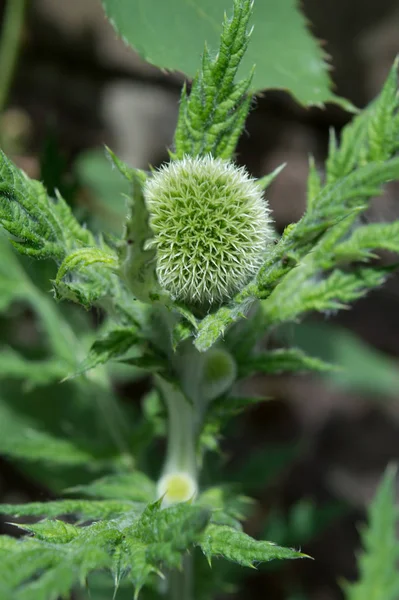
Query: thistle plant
x=197 y=280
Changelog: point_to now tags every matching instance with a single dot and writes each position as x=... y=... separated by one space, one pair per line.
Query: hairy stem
x=9 y=44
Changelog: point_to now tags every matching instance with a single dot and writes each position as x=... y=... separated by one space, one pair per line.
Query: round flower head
x=211 y=226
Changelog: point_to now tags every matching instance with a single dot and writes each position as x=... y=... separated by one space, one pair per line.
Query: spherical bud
x=211 y=228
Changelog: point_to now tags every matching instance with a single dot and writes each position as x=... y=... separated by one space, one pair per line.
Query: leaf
x=362 y=368
x=214 y=325
x=221 y=540
x=172 y=36
x=85 y=509
x=371 y=137
x=292 y=360
x=113 y=345
x=42 y=228
x=83 y=258
x=32 y=372
x=134 y=486
x=137 y=260
x=212 y=117
x=21 y=438
x=378 y=563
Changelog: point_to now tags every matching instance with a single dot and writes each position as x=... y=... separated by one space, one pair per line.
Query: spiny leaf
x=378 y=563
x=371 y=137
x=212 y=117
x=52 y=531
x=332 y=293
x=266 y=180
x=213 y=326
x=83 y=258
x=221 y=540
x=42 y=228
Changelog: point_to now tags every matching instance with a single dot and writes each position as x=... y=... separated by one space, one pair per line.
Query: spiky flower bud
x=211 y=228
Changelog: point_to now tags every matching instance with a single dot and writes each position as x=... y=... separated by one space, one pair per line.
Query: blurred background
x=316 y=451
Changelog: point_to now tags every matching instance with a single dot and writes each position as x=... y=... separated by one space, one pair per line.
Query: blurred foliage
x=300 y=67
x=363 y=369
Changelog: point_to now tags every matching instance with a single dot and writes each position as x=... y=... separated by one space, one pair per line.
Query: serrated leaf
x=83 y=258
x=221 y=540
x=153 y=28
x=378 y=563
x=41 y=227
x=214 y=325
x=211 y=118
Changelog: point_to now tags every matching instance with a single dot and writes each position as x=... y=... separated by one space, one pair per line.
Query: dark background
x=75 y=88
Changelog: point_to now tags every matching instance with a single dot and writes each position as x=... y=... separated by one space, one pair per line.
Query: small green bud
x=211 y=227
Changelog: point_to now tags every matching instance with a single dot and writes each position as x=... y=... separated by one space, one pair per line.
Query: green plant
x=186 y=300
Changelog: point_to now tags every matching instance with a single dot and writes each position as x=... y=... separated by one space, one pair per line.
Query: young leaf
x=212 y=117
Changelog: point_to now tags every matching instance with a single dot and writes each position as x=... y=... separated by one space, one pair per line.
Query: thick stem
x=179 y=478
x=9 y=44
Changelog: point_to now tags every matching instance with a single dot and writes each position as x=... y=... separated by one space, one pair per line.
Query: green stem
x=181 y=455
x=9 y=44
x=181 y=582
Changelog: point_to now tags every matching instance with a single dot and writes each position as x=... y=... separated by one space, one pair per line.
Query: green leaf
x=134 y=486
x=221 y=540
x=171 y=35
x=83 y=258
x=113 y=345
x=212 y=117
x=362 y=368
x=214 y=325
x=32 y=372
x=85 y=509
x=371 y=137
x=21 y=438
x=291 y=360
x=137 y=260
x=107 y=188
x=41 y=227
x=378 y=563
